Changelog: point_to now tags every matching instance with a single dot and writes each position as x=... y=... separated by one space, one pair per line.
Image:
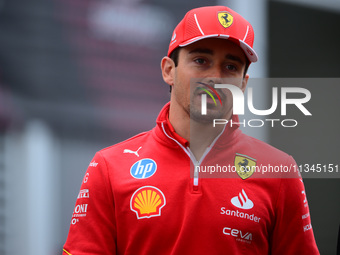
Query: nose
x=216 y=73
x=214 y=80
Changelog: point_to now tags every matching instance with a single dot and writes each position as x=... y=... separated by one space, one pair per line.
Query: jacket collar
x=165 y=131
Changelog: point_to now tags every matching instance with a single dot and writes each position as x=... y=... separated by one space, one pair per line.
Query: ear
x=168 y=70
x=245 y=82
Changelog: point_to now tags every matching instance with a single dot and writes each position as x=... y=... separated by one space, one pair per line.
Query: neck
x=199 y=135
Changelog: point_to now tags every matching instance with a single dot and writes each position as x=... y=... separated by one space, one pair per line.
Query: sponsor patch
x=143 y=168
x=242 y=201
x=147 y=202
x=225 y=19
x=307 y=227
x=86 y=177
x=79 y=212
x=93 y=164
x=244 y=165
x=239 y=235
x=84 y=193
x=132 y=152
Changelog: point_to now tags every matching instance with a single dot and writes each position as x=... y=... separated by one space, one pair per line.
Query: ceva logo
x=238 y=234
x=143 y=168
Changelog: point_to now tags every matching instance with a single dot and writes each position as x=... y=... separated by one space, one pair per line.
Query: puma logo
x=132 y=152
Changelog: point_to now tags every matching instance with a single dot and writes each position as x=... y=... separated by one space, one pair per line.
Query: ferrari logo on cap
x=225 y=19
x=245 y=165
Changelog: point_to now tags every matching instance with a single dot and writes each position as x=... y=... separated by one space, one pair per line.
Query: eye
x=231 y=67
x=200 y=61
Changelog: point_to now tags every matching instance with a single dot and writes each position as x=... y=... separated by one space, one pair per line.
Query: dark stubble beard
x=196 y=115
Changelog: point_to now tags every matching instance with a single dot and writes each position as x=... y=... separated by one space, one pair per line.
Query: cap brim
x=248 y=51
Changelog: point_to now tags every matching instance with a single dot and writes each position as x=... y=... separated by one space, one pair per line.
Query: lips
x=208 y=88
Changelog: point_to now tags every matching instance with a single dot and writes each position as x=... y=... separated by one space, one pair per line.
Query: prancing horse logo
x=244 y=165
x=225 y=19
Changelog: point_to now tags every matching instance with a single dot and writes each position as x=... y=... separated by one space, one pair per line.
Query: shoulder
x=130 y=145
x=270 y=162
x=265 y=151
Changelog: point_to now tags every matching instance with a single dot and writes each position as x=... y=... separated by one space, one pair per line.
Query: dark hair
x=175 y=54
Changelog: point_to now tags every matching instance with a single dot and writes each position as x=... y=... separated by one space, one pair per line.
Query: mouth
x=208 y=89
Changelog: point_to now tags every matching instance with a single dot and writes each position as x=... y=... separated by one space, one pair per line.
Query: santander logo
x=242 y=201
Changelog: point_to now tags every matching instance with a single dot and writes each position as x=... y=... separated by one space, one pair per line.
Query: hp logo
x=143 y=168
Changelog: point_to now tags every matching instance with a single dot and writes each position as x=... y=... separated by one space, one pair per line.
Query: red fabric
x=211 y=21
x=220 y=216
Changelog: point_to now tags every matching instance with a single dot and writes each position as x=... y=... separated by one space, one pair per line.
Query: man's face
x=200 y=66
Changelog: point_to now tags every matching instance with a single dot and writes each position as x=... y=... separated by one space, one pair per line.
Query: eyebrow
x=235 y=58
x=201 y=50
x=211 y=52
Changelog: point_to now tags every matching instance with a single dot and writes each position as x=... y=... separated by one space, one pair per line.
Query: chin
x=196 y=115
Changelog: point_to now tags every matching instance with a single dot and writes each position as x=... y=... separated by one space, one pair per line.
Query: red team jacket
x=140 y=197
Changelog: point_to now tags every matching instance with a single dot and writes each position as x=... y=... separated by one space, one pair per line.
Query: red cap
x=214 y=21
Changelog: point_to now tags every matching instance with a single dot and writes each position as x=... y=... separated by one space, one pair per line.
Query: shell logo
x=147 y=202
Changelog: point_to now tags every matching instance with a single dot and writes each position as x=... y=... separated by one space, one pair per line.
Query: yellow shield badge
x=245 y=165
x=225 y=18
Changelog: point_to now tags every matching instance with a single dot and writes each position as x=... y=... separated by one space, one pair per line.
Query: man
x=147 y=195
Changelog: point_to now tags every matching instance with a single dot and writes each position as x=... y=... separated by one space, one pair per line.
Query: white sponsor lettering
x=143 y=169
x=81 y=208
x=241 y=215
x=305 y=200
x=305 y=216
x=74 y=221
x=238 y=234
x=93 y=164
x=307 y=227
x=80 y=211
x=84 y=193
x=86 y=177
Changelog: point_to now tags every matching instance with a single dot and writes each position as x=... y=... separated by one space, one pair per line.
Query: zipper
x=197 y=164
x=192 y=156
